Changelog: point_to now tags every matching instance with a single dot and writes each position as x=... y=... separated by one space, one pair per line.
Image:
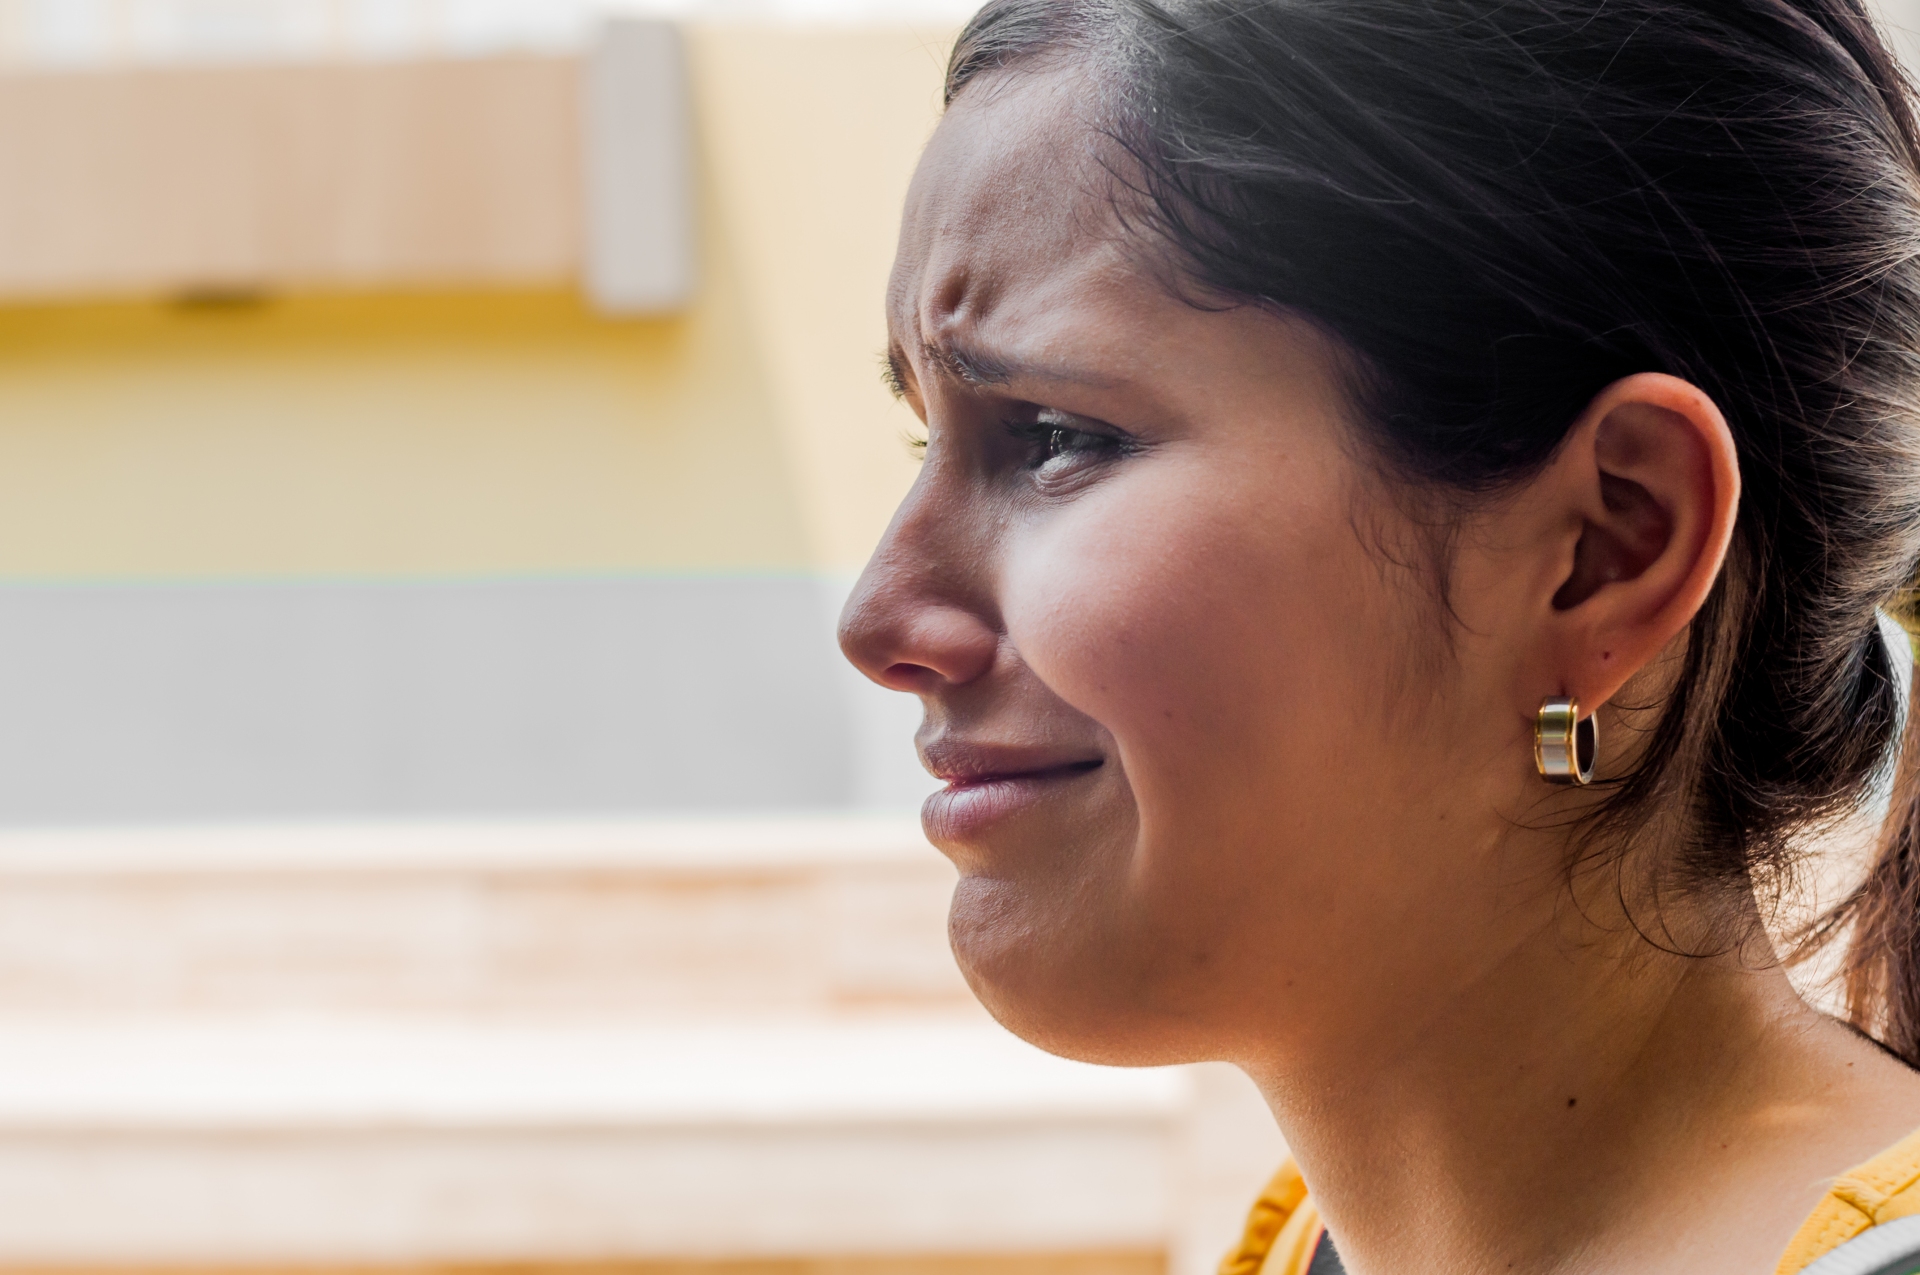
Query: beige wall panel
x=812 y=137
x=240 y=177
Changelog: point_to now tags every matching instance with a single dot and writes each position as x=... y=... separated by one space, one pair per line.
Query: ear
x=1640 y=501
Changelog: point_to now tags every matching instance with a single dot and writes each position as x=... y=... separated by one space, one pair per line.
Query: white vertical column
x=639 y=169
x=1901 y=20
x=1227 y=1149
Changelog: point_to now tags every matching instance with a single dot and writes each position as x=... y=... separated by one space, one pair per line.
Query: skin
x=1225 y=783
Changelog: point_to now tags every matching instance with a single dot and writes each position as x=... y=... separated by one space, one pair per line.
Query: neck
x=1554 y=1097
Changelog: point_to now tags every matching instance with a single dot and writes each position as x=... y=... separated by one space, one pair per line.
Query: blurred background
x=436 y=826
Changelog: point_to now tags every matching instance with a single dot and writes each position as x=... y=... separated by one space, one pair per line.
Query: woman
x=1329 y=403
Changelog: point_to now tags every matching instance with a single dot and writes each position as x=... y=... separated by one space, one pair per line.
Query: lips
x=988 y=784
x=975 y=780
x=962 y=763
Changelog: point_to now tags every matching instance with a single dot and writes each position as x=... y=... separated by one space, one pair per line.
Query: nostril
x=906 y=674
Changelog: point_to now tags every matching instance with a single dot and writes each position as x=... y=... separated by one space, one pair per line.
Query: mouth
x=958 y=781
x=987 y=786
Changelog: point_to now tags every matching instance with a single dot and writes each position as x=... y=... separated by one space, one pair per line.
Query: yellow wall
x=491 y=433
x=815 y=137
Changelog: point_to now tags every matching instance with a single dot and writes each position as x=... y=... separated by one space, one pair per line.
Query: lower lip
x=961 y=812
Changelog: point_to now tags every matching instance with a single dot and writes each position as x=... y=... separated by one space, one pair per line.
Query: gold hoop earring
x=1564 y=745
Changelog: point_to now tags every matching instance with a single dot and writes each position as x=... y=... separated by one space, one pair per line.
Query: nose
x=920 y=619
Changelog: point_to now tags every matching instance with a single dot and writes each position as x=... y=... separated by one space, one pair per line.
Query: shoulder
x=1883 y=1189
x=1282 y=1229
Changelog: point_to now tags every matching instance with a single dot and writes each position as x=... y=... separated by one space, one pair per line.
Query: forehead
x=1010 y=216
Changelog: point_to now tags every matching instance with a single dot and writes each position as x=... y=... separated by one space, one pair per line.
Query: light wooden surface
x=230 y=179
x=413 y=1048
x=1118 y=1262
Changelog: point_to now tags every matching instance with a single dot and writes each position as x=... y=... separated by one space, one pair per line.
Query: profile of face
x=1220 y=768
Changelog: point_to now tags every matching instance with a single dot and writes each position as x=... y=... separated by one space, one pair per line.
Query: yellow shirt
x=1284 y=1227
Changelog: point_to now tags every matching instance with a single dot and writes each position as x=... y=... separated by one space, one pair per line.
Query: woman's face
x=1204 y=741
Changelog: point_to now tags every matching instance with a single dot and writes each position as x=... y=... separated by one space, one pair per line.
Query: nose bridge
x=922 y=609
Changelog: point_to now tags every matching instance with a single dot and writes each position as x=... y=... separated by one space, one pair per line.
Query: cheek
x=1226 y=625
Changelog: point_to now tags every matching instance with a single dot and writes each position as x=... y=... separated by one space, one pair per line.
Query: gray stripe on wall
x=214 y=701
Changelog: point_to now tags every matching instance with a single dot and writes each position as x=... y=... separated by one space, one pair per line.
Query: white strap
x=1892 y=1248
x=1899 y=654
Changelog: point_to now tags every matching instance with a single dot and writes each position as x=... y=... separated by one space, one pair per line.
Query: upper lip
x=962 y=762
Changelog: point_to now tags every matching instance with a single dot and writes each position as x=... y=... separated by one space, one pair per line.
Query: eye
x=1056 y=440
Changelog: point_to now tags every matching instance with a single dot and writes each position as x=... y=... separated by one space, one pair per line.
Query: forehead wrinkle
x=957 y=299
x=949 y=350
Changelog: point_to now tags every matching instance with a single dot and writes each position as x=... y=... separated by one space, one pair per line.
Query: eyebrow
x=969 y=367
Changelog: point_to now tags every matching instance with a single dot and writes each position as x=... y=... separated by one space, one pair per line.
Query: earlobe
x=1655 y=477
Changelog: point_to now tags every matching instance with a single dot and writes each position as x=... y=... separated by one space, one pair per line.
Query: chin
x=1053 y=985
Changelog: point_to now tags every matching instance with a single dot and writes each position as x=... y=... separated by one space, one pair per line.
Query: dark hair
x=1500 y=207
